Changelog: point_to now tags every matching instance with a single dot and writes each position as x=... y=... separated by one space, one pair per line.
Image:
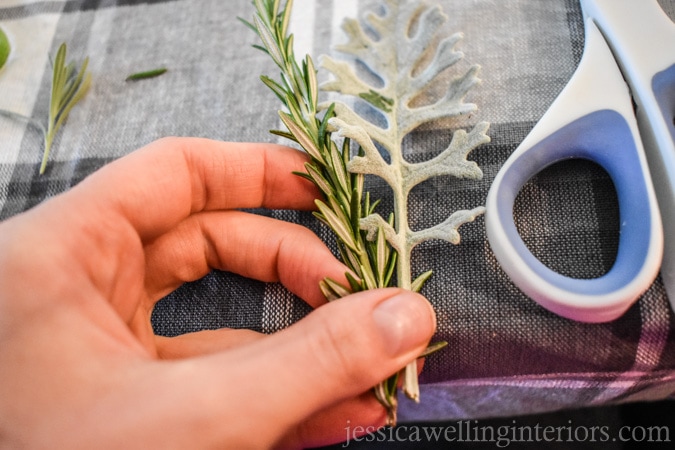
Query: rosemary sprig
x=371 y=263
x=68 y=87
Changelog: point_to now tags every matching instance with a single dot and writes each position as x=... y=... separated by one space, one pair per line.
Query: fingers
x=250 y=245
x=337 y=423
x=342 y=422
x=99 y=227
x=336 y=353
x=203 y=342
x=322 y=428
x=155 y=188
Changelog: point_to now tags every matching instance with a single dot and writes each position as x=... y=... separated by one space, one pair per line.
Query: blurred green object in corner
x=5 y=48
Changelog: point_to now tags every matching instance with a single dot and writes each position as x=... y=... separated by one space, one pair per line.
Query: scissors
x=629 y=55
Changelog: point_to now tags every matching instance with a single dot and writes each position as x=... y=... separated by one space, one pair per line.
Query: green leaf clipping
x=147 y=74
x=5 y=48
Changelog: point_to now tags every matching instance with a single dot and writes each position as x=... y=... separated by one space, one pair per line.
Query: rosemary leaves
x=68 y=87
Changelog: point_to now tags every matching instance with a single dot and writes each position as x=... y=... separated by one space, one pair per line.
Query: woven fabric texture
x=507 y=355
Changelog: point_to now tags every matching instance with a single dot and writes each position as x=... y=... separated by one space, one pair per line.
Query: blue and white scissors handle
x=593 y=119
x=645 y=47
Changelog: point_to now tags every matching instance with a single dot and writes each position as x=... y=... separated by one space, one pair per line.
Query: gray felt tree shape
x=393 y=46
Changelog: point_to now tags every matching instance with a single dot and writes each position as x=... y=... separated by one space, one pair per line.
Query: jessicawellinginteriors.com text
x=471 y=431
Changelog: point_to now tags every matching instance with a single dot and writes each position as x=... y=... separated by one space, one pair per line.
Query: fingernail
x=406 y=321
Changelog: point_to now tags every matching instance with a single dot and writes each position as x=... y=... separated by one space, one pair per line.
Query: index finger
x=161 y=184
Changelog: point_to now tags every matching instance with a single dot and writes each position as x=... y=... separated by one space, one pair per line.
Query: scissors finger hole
x=568 y=217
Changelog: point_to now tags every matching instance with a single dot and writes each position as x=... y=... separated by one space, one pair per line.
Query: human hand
x=80 y=366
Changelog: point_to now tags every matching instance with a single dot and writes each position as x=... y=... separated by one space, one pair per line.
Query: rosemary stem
x=49 y=137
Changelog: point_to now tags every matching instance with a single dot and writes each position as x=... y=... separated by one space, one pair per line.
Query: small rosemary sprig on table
x=371 y=262
x=68 y=87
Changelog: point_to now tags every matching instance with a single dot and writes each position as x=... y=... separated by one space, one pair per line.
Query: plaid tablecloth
x=507 y=355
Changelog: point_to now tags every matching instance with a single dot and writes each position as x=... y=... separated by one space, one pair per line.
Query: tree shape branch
x=403 y=35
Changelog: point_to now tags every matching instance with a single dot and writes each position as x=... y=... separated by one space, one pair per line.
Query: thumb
x=337 y=352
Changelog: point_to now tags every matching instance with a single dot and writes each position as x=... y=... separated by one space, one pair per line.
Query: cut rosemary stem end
x=385 y=393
